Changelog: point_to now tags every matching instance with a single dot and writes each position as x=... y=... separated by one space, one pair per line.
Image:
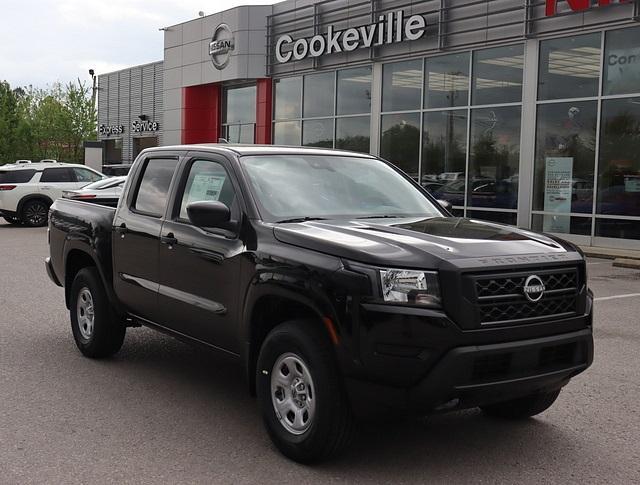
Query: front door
x=200 y=267
x=136 y=238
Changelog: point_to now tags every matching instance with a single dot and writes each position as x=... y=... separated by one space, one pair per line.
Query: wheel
x=13 y=220
x=523 y=407
x=299 y=388
x=35 y=213
x=96 y=329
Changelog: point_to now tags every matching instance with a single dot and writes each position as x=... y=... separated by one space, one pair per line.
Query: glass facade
x=239 y=114
x=454 y=123
x=330 y=110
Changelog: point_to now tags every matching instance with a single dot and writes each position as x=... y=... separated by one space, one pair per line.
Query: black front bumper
x=476 y=375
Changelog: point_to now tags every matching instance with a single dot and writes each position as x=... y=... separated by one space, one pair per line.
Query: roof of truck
x=261 y=149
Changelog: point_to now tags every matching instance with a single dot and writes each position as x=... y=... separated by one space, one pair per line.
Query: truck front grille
x=500 y=298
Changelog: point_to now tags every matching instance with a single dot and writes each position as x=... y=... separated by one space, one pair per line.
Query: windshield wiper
x=381 y=216
x=301 y=219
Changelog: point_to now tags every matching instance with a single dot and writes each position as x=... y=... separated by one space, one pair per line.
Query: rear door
x=55 y=180
x=200 y=268
x=136 y=236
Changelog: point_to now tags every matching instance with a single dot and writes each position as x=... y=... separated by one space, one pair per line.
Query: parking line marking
x=628 y=295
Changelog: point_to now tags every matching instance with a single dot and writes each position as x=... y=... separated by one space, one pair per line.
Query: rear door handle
x=169 y=240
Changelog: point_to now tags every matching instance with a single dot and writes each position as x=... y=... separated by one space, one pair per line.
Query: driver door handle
x=169 y=240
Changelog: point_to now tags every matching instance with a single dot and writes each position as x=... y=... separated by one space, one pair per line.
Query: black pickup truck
x=343 y=288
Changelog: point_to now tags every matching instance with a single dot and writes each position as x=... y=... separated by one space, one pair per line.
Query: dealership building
x=525 y=112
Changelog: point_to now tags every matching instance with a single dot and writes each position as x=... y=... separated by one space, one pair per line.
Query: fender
x=29 y=197
x=76 y=241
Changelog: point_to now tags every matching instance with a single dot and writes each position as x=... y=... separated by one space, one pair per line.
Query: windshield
x=319 y=186
x=105 y=183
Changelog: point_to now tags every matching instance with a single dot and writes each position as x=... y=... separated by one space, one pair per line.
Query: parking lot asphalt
x=163 y=412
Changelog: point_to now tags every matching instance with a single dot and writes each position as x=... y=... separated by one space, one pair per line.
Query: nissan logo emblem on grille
x=221 y=45
x=533 y=288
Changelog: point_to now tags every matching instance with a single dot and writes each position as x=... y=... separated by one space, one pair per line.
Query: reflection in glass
x=240 y=105
x=354 y=91
x=494 y=157
x=622 y=61
x=565 y=155
x=287 y=98
x=401 y=85
x=444 y=151
x=352 y=133
x=286 y=133
x=569 y=67
x=561 y=224
x=400 y=141
x=243 y=133
x=318 y=133
x=619 y=163
x=500 y=217
x=447 y=81
x=619 y=228
x=318 y=94
x=497 y=75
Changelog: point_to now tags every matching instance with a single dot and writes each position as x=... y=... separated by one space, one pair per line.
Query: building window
x=239 y=114
x=352 y=133
x=622 y=61
x=494 y=157
x=569 y=67
x=354 y=91
x=400 y=141
x=309 y=120
x=318 y=95
x=619 y=164
x=444 y=151
x=497 y=75
x=402 y=86
x=446 y=81
x=564 y=163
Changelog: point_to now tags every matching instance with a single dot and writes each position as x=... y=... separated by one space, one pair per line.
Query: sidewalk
x=624 y=258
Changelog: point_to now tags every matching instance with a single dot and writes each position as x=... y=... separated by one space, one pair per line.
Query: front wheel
x=96 y=329
x=523 y=407
x=304 y=406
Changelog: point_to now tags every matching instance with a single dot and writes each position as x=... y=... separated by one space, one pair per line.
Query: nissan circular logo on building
x=533 y=288
x=222 y=43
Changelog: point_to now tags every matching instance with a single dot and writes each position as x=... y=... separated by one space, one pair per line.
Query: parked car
x=336 y=281
x=106 y=191
x=27 y=190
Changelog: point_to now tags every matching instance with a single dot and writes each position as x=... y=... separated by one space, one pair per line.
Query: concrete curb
x=610 y=253
x=626 y=263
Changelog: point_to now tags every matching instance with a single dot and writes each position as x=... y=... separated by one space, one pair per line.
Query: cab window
x=153 y=191
x=207 y=181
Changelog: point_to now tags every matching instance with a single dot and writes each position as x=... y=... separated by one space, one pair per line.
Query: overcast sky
x=43 y=41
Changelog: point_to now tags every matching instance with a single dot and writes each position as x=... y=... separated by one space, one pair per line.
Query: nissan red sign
x=578 y=5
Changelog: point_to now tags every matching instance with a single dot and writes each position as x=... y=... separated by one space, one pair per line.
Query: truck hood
x=416 y=242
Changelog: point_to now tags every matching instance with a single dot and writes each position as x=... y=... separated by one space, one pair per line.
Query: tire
x=35 y=213
x=329 y=425
x=96 y=329
x=523 y=407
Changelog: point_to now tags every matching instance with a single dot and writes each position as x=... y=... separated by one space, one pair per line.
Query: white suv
x=27 y=190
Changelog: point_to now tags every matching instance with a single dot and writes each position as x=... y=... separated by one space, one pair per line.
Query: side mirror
x=208 y=213
x=445 y=204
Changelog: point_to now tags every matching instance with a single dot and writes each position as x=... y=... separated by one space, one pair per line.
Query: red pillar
x=263 y=111
x=201 y=106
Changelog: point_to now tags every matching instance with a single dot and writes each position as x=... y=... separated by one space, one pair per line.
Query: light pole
x=94 y=88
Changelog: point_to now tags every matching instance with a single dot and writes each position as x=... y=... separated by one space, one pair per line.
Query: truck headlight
x=407 y=286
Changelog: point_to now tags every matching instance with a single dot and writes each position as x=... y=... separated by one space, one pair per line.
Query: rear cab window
x=16 y=176
x=153 y=187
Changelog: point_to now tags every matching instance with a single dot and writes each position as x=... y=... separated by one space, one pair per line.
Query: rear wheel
x=304 y=406
x=523 y=407
x=35 y=213
x=97 y=331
